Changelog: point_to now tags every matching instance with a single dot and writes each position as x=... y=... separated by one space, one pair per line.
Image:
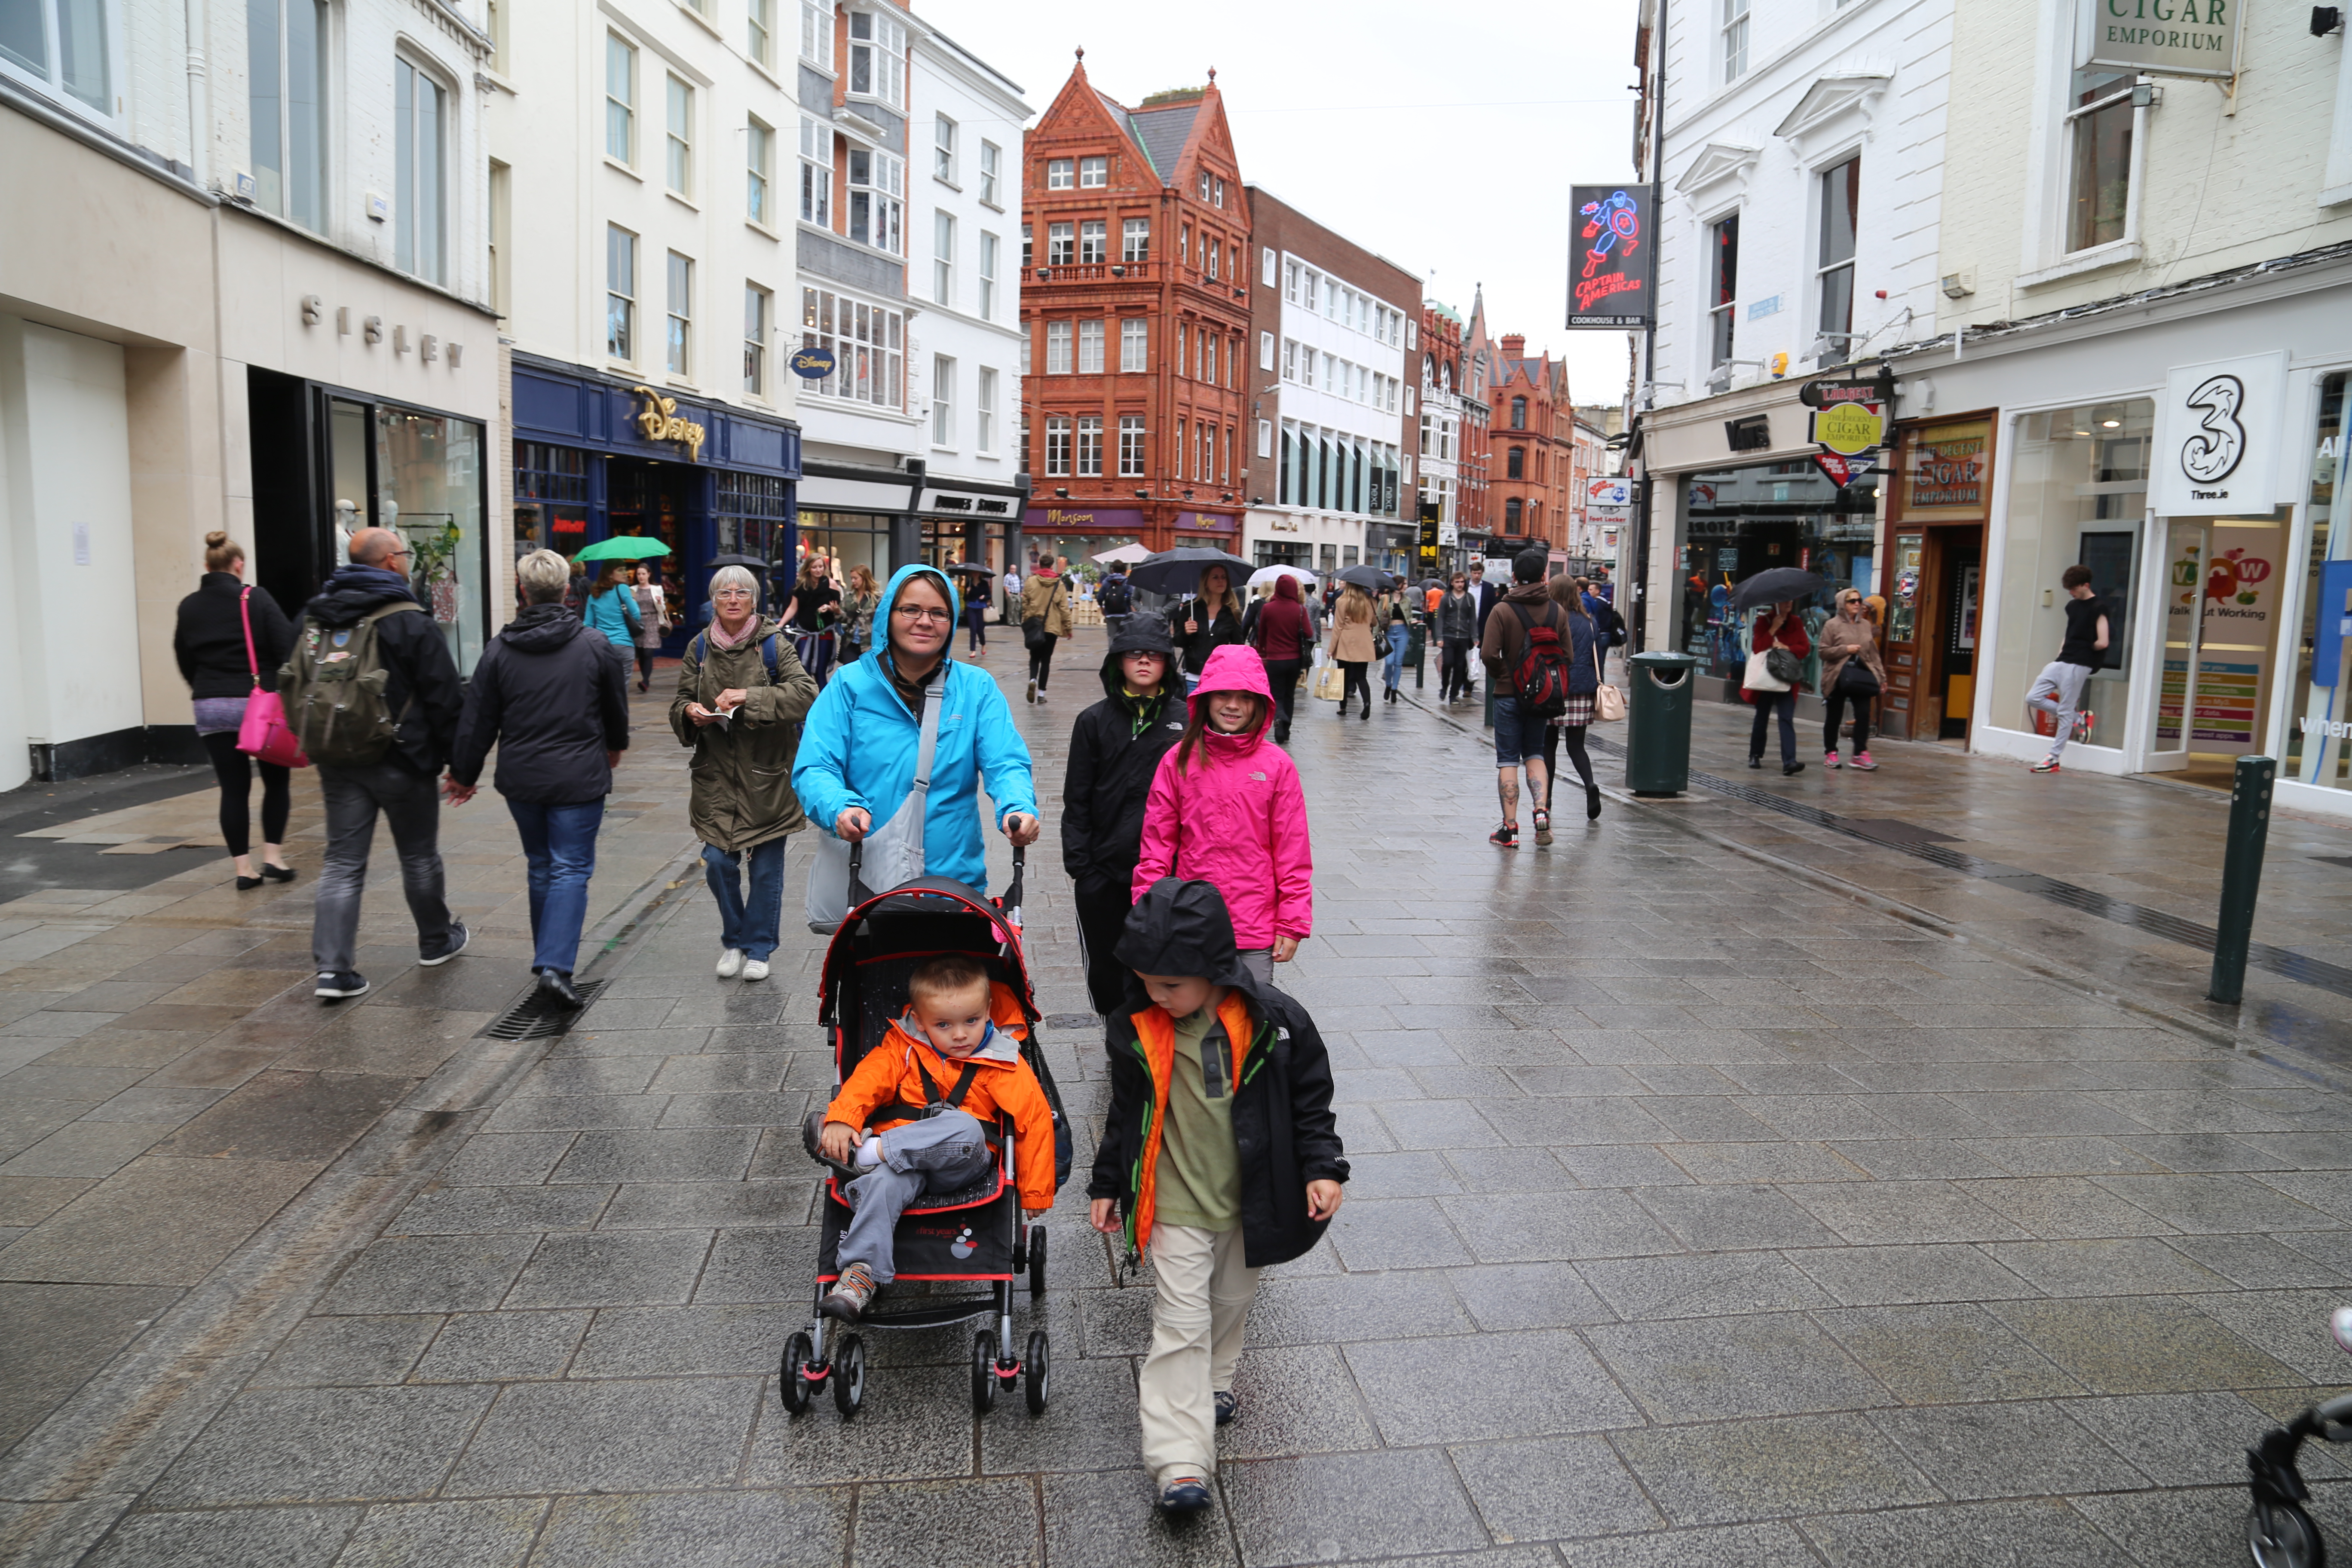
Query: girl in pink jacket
x=1225 y=807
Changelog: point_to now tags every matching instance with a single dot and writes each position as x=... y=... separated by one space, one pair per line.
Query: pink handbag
x=264 y=736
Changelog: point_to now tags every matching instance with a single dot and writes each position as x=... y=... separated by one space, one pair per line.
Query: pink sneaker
x=1830 y=761
x=1861 y=760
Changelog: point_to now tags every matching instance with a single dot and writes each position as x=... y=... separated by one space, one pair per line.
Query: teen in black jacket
x=1115 y=749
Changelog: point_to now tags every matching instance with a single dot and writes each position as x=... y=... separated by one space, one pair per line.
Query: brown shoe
x=851 y=1294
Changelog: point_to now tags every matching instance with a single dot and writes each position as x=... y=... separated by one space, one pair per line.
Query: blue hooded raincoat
x=858 y=745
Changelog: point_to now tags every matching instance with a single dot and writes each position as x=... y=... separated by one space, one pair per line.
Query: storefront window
x=550 y=510
x=752 y=511
x=1748 y=520
x=428 y=474
x=845 y=539
x=2319 y=738
x=2077 y=495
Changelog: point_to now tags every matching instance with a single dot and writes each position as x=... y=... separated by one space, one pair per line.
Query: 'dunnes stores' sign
x=2161 y=37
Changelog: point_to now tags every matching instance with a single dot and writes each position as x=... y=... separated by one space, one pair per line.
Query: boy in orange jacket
x=947 y=1052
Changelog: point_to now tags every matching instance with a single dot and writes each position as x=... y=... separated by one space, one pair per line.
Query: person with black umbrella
x=1778 y=647
x=1207 y=622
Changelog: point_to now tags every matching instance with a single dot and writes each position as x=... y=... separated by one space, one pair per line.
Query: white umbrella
x=1265 y=574
x=1126 y=554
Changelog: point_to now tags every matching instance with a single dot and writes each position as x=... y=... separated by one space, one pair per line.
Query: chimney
x=1515 y=346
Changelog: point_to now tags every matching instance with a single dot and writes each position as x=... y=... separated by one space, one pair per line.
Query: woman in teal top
x=613 y=608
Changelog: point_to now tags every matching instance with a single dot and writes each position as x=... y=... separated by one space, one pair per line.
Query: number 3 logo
x=2213 y=450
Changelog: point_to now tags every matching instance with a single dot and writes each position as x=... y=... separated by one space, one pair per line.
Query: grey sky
x=1444 y=139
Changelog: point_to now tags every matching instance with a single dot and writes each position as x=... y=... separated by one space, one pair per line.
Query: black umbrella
x=1775 y=585
x=973 y=567
x=753 y=562
x=1370 y=579
x=1179 y=571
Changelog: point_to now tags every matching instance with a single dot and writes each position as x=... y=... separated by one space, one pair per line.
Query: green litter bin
x=1658 y=723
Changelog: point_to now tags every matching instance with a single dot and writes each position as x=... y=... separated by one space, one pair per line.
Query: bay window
x=877 y=49
x=877 y=183
x=868 y=342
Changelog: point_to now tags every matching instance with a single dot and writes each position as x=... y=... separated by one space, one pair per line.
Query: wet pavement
x=1728 y=1189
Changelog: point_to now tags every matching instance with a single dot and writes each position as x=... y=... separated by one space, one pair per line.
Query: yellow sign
x=658 y=419
x=1849 y=429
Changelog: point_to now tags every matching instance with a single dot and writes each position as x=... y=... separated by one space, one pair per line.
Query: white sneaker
x=730 y=963
x=755 y=969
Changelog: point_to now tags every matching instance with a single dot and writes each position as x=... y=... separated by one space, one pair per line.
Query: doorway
x=2221 y=585
x=1959 y=578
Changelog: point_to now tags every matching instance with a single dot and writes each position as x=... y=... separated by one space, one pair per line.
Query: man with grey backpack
x=372 y=693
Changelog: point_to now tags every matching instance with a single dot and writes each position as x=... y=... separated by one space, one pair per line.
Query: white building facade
x=243 y=287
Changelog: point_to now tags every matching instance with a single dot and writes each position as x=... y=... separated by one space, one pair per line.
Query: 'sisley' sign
x=2161 y=37
x=660 y=422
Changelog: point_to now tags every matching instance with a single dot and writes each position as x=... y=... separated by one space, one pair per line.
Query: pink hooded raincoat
x=1236 y=819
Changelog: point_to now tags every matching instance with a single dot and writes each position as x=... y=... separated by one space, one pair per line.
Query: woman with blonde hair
x=857 y=612
x=226 y=635
x=1351 y=646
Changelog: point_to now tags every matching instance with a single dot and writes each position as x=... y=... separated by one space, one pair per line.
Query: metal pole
x=2241 y=875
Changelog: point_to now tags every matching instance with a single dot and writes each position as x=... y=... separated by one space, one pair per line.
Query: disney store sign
x=660 y=422
x=2216 y=437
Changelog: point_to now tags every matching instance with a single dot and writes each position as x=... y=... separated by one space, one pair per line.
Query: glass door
x=2186 y=542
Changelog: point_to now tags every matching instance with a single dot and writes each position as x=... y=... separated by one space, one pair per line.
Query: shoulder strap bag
x=1607 y=702
x=892 y=851
x=264 y=736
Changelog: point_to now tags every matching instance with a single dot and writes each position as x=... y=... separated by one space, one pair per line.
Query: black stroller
x=2279 y=1533
x=976 y=1236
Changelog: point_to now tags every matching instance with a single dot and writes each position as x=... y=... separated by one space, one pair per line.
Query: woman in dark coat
x=1202 y=624
x=209 y=642
x=1585 y=641
x=1457 y=628
x=1115 y=750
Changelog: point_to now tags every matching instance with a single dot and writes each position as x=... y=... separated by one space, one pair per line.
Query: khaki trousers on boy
x=1204 y=1293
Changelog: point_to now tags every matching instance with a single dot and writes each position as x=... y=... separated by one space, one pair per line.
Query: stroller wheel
x=1039 y=1371
x=1036 y=1260
x=792 y=1377
x=849 y=1376
x=983 y=1372
x=2281 y=1535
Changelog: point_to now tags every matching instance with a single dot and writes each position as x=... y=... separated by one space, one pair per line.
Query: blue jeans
x=1518 y=738
x=1392 y=669
x=560 y=841
x=748 y=924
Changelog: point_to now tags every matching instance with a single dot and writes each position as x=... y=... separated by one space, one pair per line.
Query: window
x=1265 y=351
x=943 y=258
x=284 y=42
x=620 y=99
x=418 y=173
x=63 y=43
x=1723 y=292
x=869 y=346
x=1735 y=39
x=1183 y=350
x=1208 y=359
x=1058 y=445
x=988 y=247
x=985 y=433
x=1059 y=174
x=942 y=401
x=1090 y=434
x=2098 y=191
x=877 y=45
x=1290 y=281
x=1204 y=184
x=816 y=172
x=759 y=156
x=1212 y=258
x=1094 y=242
x=1265 y=437
x=1184 y=245
x=1331 y=375
x=1290 y=359
x=1512 y=510
x=1057 y=348
x=992 y=162
x=502 y=248
x=1091 y=347
x=1134 y=341
x=1514 y=467
x=877 y=182
x=1184 y=438
x=1094 y=174
x=494 y=17
x=1519 y=413
x=1267 y=266
x=1061 y=243
x=620 y=293
x=680 y=164
x=1219 y=198
x=681 y=312
x=1135 y=240
x=1028 y=246
x=943 y=150
x=1130 y=446
x=1841 y=202
x=816 y=33
x=759 y=33
x=757 y=303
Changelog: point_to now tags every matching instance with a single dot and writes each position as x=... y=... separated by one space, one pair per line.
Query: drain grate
x=533 y=1018
x=1890 y=830
x=1071 y=1021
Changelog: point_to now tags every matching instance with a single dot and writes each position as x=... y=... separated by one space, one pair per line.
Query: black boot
x=1591 y=803
x=557 y=988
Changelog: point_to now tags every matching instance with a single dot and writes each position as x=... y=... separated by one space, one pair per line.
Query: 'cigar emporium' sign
x=1610 y=279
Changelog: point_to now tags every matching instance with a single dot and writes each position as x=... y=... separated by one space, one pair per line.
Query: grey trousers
x=2058 y=692
x=937 y=1155
x=411 y=805
x=1259 y=961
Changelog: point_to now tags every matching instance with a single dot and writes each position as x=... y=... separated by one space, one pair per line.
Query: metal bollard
x=2241 y=875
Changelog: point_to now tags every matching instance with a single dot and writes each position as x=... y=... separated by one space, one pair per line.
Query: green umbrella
x=624 y=547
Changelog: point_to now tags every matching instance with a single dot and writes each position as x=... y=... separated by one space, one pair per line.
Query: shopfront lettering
x=2180 y=37
x=2334 y=729
x=660 y=422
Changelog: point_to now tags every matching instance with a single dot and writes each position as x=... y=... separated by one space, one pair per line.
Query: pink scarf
x=719 y=637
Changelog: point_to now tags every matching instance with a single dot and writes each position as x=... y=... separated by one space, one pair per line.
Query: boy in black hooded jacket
x=1220 y=1149
x=1115 y=749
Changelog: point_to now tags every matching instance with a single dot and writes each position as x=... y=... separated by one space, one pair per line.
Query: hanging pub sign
x=1610 y=279
x=2160 y=38
x=2216 y=437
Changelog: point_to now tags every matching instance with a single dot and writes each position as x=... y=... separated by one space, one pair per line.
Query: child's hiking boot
x=1505 y=836
x=851 y=1294
x=1184 y=1494
x=1225 y=1405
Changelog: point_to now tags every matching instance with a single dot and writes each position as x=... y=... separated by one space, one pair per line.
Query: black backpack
x=1115 y=597
x=1541 y=673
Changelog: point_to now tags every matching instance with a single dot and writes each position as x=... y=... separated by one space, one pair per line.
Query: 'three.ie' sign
x=2161 y=37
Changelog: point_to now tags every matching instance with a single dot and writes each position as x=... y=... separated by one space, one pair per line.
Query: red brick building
x=1135 y=257
x=1531 y=446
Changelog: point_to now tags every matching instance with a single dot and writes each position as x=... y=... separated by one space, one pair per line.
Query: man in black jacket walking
x=1115 y=750
x=553 y=698
x=421 y=689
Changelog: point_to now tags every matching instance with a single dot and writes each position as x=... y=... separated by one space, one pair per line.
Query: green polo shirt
x=1199 y=1182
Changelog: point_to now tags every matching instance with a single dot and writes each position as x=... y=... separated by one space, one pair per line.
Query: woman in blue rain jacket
x=857 y=748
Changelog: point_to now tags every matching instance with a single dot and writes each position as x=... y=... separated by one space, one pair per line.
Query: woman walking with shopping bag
x=1352 y=646
x=1775 y=671
x=1851 y=673
x=1045 y=620
x=226 y=635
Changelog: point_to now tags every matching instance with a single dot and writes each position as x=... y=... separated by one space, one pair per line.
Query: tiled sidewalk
x=1698 y=1217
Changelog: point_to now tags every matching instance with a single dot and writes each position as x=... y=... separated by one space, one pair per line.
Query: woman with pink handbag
x=228 y=634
